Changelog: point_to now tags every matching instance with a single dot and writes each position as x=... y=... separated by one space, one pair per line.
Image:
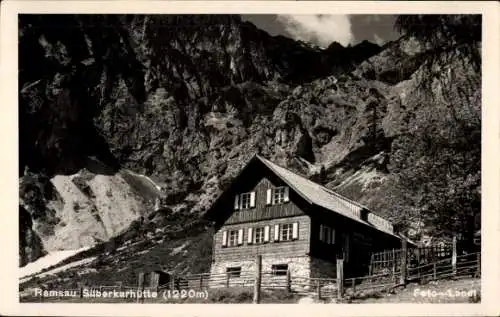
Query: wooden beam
x=404 y=254
x=258 y=276
x=340 y=278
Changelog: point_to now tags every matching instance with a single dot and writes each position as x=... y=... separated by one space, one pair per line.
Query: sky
x=322 y=30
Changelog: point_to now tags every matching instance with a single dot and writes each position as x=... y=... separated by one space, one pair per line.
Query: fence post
x=201 y=282
x=479 y=264
x=353 y=285
x=340 y=278
x=404 y=256
x=454 y=255
x=371 y=264
x=318 y=286
x=172 y=281
x=288 y=281
x=228 y=277
x=434 y=270
x=140 y=282
x=258 y=276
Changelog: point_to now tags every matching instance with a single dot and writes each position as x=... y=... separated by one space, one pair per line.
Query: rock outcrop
x=107 y=100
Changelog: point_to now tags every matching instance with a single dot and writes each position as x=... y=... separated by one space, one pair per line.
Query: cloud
x=318 y=29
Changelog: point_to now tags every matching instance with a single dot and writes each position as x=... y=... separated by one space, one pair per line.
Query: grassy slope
x=185 y=249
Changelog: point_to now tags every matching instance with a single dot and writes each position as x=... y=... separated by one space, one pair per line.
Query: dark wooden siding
x=299 y=247
x=261 y=211
x=363 y=241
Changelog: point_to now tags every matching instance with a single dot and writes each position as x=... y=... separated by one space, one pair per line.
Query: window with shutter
x=266 y=234
x=278 y=195
x=295 y=232
x=232 y=238
x=252 y=199
x=259 y=235
x=224 y=238
x=276 y=232
x=245 y=200
x=286 y=232
x=250 y=236
x=286 y=197
x=268 y=196
x=240 y=237
x=236 y=202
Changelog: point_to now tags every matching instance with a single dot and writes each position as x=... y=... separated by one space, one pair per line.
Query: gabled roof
x=321 y=196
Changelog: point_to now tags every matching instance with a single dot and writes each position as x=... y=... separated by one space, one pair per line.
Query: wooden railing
x=339 y=287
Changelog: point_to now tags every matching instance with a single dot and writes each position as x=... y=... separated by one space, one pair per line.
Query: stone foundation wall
x=323 y=269
x=298 y=266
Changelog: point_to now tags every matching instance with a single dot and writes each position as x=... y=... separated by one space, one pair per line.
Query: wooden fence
x=339 y=287
x=390 y=260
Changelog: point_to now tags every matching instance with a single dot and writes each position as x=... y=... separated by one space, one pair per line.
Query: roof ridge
x=330 y=191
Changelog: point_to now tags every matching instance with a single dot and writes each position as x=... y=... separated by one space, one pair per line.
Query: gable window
x=279 y=269
x=234 y=271
x=244 y=201
x=278 y=195
x=286 y=232
x=259 y=235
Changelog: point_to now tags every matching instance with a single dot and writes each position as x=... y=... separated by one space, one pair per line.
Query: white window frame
x=258 y=233
x=278 y=195
x=286 y=232
x=232 y=238
x=245 y=200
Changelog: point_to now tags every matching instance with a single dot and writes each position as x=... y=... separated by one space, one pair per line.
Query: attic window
x=277 y=195
x=244 y=201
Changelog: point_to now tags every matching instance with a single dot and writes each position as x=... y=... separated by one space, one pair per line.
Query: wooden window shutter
x=295 y=230
x=276 y=232
x=266 y=234
x=286 y=196
x=224 y=238
x=327 y=234
x=250 y=236
x=332 y=241
x=321 y=228
x=252 y=199
x=240 y=237
x=236 y=202
x=268 y=196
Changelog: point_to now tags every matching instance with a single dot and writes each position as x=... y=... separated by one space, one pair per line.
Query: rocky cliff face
x=106 y=100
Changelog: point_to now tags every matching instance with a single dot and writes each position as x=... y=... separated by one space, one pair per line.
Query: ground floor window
x=279 y=269
x=234 y=271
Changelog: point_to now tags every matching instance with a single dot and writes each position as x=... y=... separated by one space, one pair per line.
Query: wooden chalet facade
x=294 y=224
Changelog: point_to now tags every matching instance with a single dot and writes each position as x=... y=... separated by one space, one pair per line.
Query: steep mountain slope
x=109 y=99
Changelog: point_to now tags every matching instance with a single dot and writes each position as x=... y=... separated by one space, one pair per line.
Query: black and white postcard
x=250 y=153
